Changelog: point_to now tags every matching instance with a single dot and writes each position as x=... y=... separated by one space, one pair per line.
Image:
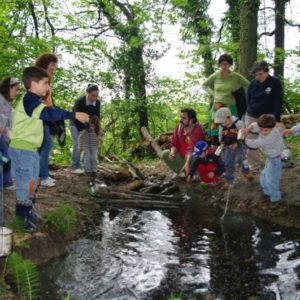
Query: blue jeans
x=270 y=178
x=75 y=151
x=25 y=166
x=233 y=157
x=45 y=150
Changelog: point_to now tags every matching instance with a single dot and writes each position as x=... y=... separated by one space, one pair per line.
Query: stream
x=189 y=253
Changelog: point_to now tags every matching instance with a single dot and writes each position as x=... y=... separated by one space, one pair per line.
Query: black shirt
x=265 y=97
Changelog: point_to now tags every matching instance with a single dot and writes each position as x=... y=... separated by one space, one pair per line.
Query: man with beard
x=185 y=136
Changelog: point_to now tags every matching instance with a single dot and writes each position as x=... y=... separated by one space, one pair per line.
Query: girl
x=9 y=89
x=90 y=139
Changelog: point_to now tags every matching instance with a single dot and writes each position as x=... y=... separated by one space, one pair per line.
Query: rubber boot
x=35 y=216
x=24 y=212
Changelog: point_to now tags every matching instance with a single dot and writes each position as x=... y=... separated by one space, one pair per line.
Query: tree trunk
x=279 y=38
x=234 y=27
x=248 y=35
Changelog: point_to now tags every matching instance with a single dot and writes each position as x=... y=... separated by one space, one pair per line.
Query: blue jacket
x=265 y=97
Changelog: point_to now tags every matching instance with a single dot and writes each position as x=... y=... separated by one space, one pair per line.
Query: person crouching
x=210 y=166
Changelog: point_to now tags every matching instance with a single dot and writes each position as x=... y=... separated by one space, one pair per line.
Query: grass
x=63 y=219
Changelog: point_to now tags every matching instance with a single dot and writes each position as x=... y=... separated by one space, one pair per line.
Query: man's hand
x=189 y=178
x=186 y=169
x=172 y=153
x=82 y=117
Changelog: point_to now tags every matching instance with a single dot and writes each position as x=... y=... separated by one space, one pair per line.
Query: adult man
x=185 y=136
x=265 y=96
x=89 y=104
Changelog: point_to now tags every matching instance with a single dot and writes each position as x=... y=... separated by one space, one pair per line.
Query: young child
x=27 y=137
x=234 y=150
x=270 y=142
x=90 y=139
x=210 y=166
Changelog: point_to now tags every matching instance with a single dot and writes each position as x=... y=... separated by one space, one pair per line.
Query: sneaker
x=47 y=183
x=52 y=179
x=249 y=176
x=11 y=187
x=77 y=171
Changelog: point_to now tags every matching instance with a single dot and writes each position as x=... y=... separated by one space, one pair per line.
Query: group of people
x=234 y=137
x=27 y=131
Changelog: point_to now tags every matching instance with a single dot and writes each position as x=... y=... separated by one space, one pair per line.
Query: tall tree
x=233 y=18
x=279 y=58
x=198 y=29
x=248 y=35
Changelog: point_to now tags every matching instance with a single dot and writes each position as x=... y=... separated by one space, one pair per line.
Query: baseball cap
x=199 y=148
x=222 y=114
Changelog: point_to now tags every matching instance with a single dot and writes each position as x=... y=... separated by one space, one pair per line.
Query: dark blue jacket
x=51 y=114
x=265 y=97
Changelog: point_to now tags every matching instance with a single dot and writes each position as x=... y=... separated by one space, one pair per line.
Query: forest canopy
x=118 y=43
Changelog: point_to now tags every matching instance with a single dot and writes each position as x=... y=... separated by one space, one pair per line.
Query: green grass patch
x=63 y=219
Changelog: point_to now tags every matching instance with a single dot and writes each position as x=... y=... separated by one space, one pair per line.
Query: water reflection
x=154 y=255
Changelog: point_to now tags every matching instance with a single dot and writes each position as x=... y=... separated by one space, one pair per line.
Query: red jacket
x=184 y=140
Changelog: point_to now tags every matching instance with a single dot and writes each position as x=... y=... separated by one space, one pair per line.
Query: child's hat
x=199 y=148
x=222 y=114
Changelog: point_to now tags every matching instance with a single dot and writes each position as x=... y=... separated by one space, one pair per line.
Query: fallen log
x=123 y=194
x=154 y=144
x=138 y=203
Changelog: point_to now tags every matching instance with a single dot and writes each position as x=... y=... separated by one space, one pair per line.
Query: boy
x=271 y=143
x=210 y=166
x=234 y=150
x=27 y=137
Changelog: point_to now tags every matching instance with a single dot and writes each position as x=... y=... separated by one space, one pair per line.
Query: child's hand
x=82 y=117
x=245 y=131
x=210 y=175
x=287 y=132
x=233 y=146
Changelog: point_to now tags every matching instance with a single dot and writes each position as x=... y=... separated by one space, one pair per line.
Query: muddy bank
x=244 y=197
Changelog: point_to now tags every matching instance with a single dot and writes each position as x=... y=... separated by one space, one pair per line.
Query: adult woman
x=48 y=62
x=89 y=104
x=9 y=89
x=220 y=86
x=265 y=96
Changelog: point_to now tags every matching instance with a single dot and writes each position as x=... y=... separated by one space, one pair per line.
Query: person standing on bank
x=48 y=62
x=220 y=86
x=265 y=96
x=9 y=89
x=89 y=104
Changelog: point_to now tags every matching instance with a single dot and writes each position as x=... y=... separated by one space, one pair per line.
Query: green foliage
x=294 y=143
x=17 y=224
x=3 y=291
x=292 y=95
x=62 y=219
x=25 y=276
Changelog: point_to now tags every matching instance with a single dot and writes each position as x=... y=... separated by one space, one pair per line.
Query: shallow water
x=190 y=253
